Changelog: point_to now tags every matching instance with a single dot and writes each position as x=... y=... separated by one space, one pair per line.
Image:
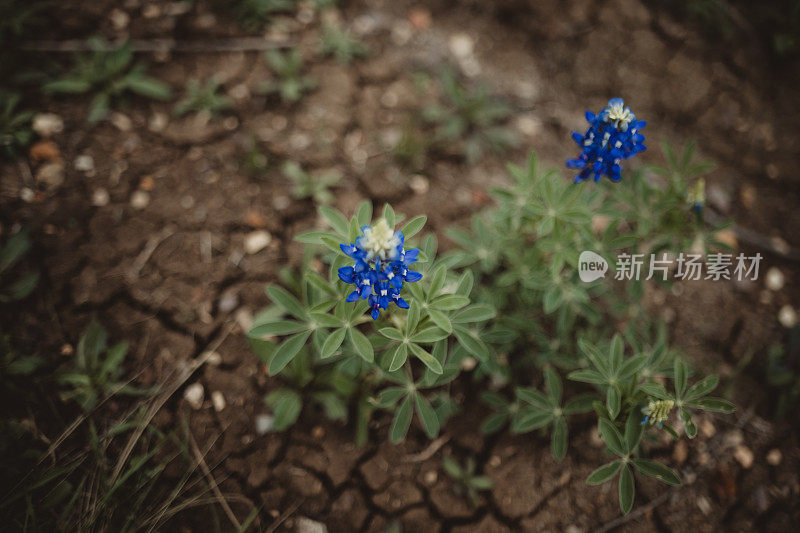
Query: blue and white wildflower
x=381 y=267
x=613 y=135
x=657 y=411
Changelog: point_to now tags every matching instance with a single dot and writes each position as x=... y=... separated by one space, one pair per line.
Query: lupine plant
x=374 y=321
x=108 y=74
x=507 y=305
x=470 y=119
x=203 y=98
x=291 y=83
x=467 y=482
x=339 y=44
x=15 y=126
x=307 y=185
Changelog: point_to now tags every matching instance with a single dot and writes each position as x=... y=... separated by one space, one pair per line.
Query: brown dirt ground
x=550 y=59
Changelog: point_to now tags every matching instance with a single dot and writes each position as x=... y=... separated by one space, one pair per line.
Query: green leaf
x=286 y=405
x=281 y=327
x=615 y=354
x=361 y=344
x=554 y=388
x=534 y=397
x=430 y=361
x=558 y=445
x=325 y=320
x=689 y=425
x=287 y=351
x=471 y=343
x=494 y=423
x=399 y=357
x=633 y=431
x=657 y=470
x=391 y=333
x=90 y=346
x=593 y=356
x=627 y=490
x=427 y=415
x=604 y=473
x=364 y=213
x=474 y=313
x=441 y=320
x=717 y=405
x=613 y=401
x=655 y=390
x=388 y=397
x=401 y=422
x=66 y=85
x=529 y=420
x=16 y=247
x=332 y=343
x=612 y=437
x=701 y=388
x=632 y=365
x=335 y=219
x=388 y=215
x=149 y=87
x=412 y=319
x=430 y=335
x=289 y=303
x=413 y=226
x=680 y=377
x=587 y=376
x=114 y=357
x=449 y=302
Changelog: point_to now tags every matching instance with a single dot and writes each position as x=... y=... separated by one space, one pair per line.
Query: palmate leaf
x=287 y=351
x=627 y=489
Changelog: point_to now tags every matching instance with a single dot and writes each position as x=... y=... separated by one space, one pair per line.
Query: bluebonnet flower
x=381 y=267
x=657 y=411
x=613 y=135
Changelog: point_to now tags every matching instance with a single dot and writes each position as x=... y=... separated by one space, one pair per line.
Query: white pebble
x=84 y=163
x=461 y=45
x=213 y=358
x=775 y=279
x=218 y=401
x=194 y=395
x=419 y=184
x=47 y=124
x=158 y=122
x=257 y=241
x=744 y=455
x=228 y=302
x=121 y=121
x=774 y=457
x=100 y=197
x=264 y=424
x=140 y=199
x=787 y=316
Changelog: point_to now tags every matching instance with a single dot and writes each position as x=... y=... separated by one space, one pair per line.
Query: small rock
x=228 y=302
x=707 y=429
x=461 y=45
x=213 y=358
x=704 y=505
x=47 y=124
x=733 y=438
x=244 y=318
x=26 y=194
x=194 y=395
x=529 y=125
x=257 y=241
x=139 y=199
x=468 y=364
x=218 y=401
x=431 y=477
x=775 y=279
x=84 y=163
x=281 y=202
x=187 y=202
x=100 y=197
x=51 y=174
x=748 y=196
x=119 y=19
x=787 y=316
x=774 y=457
x=254 y=219
x=147 y=183
x=744 y=455
x=158 y=122
x=306 y=525
x=121 y=121
x=264 y=424
x=420 y=18
x=45 y=151
x=419 y=184
x=318 y=432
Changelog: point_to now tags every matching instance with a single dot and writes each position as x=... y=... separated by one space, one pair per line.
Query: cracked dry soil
x=164 y=276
